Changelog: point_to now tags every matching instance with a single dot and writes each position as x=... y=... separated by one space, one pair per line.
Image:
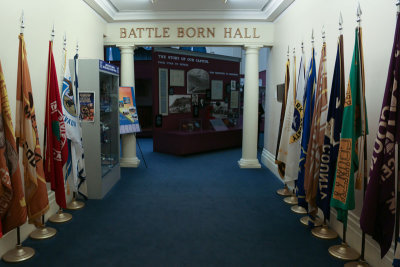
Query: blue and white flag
x=333 y=128
x=308 y=104
x=76 y=161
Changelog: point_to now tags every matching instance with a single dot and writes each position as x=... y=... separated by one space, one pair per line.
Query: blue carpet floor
x=199 y=210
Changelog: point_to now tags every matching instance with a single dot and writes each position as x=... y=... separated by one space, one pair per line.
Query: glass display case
x=108 y=122
x=100 y=134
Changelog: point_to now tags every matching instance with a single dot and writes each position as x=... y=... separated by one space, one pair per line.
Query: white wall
x=77 y=20
x=296 y=24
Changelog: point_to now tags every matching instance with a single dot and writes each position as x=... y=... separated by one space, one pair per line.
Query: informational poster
x=176 y=77
x=180 y=104
x=216 y=89
x=128 y=117
x=86 y=104
x=234 y=99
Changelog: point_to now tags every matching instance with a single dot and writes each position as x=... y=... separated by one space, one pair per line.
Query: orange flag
x=28 y=138
x=15 y=215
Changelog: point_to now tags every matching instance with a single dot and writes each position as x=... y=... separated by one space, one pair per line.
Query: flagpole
x=344 y=251
x=74 y=204
x=19 y=253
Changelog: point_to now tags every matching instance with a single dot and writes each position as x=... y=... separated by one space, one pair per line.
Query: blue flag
x=333 y=128
x=309 y=98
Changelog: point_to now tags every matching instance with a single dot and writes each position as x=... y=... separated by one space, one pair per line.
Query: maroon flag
x=55 y=148
x=379 y=209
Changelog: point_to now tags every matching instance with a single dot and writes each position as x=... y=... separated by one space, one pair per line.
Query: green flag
x=353 y=126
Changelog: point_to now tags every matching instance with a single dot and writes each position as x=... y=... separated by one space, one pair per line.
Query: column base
x=249 y=163
x=129 y=162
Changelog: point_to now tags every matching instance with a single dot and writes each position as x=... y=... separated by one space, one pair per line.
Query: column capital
x=252 y=47
x=126 y=48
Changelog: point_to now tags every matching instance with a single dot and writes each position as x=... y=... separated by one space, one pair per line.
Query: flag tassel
x=19 y=253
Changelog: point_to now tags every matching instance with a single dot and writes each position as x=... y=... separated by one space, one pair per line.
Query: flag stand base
x=75 y=205
x=292 y=200
x=284 y=191
x=298 y=209
x=43 y=233
x=60 y=217
x=343 y=252
x=19 y=254
x=359 y=263
x=305 y=220
x=324 y=232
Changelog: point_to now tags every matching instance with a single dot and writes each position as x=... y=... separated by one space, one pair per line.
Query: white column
x=128 y=146
x=250 y=110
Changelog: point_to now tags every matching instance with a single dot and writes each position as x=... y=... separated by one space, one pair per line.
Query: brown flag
x=316 y=141
x=15 y=215
x=28 y=138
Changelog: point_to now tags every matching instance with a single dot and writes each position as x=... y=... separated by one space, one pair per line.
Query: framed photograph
x=198 y=81
x=233 y=85
x=217 y=89
x=176 y=77
x=234 y=99
x=87 y=107
x=180 y=104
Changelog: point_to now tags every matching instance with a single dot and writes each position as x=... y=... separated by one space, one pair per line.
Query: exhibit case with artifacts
x=98 y=84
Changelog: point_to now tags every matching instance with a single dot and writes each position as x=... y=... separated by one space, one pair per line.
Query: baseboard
x=8 y=241
x=354 y=233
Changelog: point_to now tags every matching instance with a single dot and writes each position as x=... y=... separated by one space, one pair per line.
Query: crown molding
x=110 y=13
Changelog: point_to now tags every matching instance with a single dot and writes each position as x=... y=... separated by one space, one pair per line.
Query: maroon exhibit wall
x=218 y=69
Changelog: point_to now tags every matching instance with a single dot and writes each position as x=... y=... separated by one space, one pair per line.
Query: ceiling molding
x=110 y=13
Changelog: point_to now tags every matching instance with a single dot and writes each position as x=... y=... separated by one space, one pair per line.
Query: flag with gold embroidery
x=314 y=150
x=27 y=136
x=13 y=206
x=379 y=209
x=354 y=126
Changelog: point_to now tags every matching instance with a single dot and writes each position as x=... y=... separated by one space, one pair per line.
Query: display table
x=184 y=143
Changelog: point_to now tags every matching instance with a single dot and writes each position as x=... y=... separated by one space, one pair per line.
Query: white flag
x=74 y=133
x=289 y=150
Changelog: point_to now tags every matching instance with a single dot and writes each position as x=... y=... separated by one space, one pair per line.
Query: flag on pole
x=15 y=213
x=317 y=133
x=333 y=128
x=293 y=151
x=308 y=105
x=354 y=126
x=28 y=138
x=55 y=139
x=379 y=209
x=287 y=123
x=281 y=165
x=74 y=131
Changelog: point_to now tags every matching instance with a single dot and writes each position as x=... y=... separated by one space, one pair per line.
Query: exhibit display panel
x=98 y=105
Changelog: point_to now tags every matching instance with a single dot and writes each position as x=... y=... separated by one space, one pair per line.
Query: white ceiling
x=161 y=10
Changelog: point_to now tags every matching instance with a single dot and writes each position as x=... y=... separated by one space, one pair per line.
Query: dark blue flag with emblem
x=333 y=128
x=309 y=98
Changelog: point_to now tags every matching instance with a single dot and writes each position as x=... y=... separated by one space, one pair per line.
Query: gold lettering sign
x=189 y=32
x=343 y=170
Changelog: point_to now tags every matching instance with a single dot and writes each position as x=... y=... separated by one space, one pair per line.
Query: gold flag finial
x=323 y=33
x=288 y=52
x=341 y=22
x=65 y=41
x=302 y=46
x=398 y=6
x=77 y=47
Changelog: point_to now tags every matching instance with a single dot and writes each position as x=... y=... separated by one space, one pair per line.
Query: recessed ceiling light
x=225 y=1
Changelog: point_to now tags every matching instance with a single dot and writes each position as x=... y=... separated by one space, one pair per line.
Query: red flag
x=55 y=149
x=15 y=214
x=27 y=137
